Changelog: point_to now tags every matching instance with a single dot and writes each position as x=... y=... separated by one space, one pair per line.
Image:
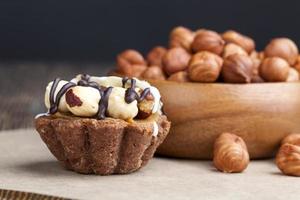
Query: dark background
x=96 y=30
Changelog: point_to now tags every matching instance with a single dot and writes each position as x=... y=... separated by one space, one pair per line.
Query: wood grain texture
x=262 y=114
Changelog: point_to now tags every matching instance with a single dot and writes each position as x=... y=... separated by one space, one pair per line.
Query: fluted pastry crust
x=109 y=146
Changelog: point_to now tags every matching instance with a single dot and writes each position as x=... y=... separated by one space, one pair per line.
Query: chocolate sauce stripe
x=52 y=90
x=103 y=104
x=131 y=94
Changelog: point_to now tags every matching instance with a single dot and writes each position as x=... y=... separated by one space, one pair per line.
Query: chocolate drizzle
x=144 y=94
x=124 y=81
x=54 y=103
x=103 y=104
x=131 y=94
x=85 y=81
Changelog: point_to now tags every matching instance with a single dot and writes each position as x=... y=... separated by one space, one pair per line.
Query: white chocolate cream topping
x=100 y=97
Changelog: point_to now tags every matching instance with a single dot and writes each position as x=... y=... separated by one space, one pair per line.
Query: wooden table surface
x=22 y=87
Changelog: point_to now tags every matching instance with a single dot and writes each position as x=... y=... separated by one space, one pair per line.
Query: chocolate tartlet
x=102 y=125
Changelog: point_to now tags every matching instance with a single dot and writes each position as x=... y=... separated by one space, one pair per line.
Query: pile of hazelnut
x=206 y=56
x=231 y=154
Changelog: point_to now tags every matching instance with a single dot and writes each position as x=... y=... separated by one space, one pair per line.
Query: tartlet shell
x=109 y=146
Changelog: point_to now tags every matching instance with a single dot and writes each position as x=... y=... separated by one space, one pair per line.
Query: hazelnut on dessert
x=175 y=60
x=243 y=41
x=155 y=55
x=207 y=40
x=82 y=101
x=205 y=67
x=274 y=69
x=284 y=48
x=181 y=76
x=154 y=72
x=131 y=63
x=231 y=49
x=118 y=107
x=145 y=107
x=62 y=106
x=181 y=37
x=238 y=69
x=230 y=153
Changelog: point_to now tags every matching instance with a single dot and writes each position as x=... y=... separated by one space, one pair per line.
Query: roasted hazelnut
x=232 y=48
x=181 y=76
x=243 y=41
x=175 y=60
x=181 y=37
x=154 y=57
x=274 y=69
x=130 y=57
x=257 y=58
x=154 y=72
x=238 y=69
x=145 y=107
x=132 y=70
x=288 y=159
x=205 y=67
x=261 y=55
x=288 y=156
x=207 y=40
x=293 y=138
x=297 y=64
x=257 y=79
x=131 y=63
x=230 y=153
x=283 y=48
x=293 y=75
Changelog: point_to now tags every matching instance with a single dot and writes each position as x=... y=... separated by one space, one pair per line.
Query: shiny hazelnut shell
x=243 y=41
x=145 y=109
x=181 y=76
x=297 y=64
x=257 y=59
x=204 y=67
x=293 y=75
x=284 y=48
x=230 y=153
x=288 y=159
x=134 y=70
x=155 y=55
x=175 y=60
x=154 y=72
x=207 y=40
x=238 y=69
x=257 y=79
x=293 y=138
x=274 y=69
x=130 y=57
x=181 y=37
x=231 y=49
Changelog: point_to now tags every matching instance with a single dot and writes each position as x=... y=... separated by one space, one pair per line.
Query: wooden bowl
x=262 y=114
